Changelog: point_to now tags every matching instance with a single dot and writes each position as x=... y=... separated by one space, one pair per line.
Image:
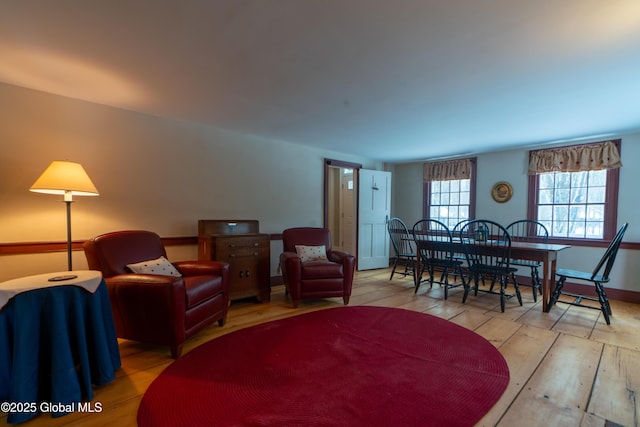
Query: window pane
x=545 y=213
x=578 y=195
x=435 y=198
x=546 y=196
x=464 y=212
x=578 y=212
x=561 y=196
x=559 y=229
x=595 y=212
x=546 y=180
x=560 y=212
x=464 y=198
x=579 y=179
x=596 y=195
x=563 y=180
x=576 y=228
x=598 y=177
x=594 y=230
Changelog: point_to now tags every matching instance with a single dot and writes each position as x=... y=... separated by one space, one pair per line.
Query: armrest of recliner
x=291 y=266
x=290 y=260
x=151 y=288
x=348 y=262
x=340 y=257
x=202 y=268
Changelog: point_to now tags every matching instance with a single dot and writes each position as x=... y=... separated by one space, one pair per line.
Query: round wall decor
x=502 y=192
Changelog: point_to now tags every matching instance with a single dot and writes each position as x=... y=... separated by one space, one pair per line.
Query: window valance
x=447 y=170
x=575 y=158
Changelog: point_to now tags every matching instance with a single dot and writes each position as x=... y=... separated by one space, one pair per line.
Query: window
x=449 y=191
x=571 y=204
x=576 y=204
x=450 y=201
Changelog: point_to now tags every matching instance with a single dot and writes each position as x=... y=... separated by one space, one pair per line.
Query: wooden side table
x=239 y=243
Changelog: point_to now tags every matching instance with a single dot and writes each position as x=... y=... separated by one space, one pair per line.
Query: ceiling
x=393 y=80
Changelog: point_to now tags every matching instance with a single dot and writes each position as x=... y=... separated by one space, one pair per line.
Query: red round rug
x=346 y=366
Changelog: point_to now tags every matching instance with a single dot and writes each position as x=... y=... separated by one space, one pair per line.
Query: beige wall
x=511 y=166
x=152 y=173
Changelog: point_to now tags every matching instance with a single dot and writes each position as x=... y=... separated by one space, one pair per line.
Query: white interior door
x=374 y=207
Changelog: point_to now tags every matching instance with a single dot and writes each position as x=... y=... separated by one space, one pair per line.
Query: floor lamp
x=68 y=179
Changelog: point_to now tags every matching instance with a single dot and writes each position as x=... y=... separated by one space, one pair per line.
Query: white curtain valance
x=447 y=170
x=575 y=158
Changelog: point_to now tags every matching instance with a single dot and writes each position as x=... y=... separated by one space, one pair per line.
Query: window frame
x=610 y=225
x=426 y=193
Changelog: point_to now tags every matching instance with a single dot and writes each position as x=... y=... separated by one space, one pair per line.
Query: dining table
x=546 y=253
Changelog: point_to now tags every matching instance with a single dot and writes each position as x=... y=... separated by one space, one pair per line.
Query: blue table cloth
x=55 y=343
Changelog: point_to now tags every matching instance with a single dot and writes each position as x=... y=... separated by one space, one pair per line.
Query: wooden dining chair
x=403 y=247
x=434 y=245
x=526 y=230
x=598 y=277
x=487 y=246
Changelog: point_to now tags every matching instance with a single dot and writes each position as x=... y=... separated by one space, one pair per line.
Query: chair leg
x=467 y=289
x=176 y=350
x=417 y=277
x=431 y=276
x=503 y=298
x=516 y=287
x=535 y=283
x=444 y=281
x=556 y=292
x=604 y=302
x=408 y=261
x=345 y=299
x=395 y=264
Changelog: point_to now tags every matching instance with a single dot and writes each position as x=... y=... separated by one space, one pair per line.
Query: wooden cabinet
x=240 y=244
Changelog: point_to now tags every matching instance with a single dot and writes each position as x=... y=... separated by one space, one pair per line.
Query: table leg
x=546 y=286
x=549 y=265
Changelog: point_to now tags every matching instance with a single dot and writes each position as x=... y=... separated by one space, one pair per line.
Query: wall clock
x=502 y=192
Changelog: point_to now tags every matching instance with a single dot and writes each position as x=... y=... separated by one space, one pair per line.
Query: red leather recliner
x=332 y=277
x=155 y=308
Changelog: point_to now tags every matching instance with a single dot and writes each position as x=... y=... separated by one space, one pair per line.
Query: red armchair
x=153 y=308
x=315 y=277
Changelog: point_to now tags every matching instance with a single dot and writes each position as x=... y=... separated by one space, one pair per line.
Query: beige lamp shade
x=67 y=178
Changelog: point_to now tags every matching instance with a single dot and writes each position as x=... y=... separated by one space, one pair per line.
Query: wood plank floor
x=568 y=368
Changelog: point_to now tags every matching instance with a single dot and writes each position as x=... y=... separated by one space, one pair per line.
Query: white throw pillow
x=311 y=253
x=160 y=266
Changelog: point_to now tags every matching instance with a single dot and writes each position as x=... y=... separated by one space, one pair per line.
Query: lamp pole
x=68 y=199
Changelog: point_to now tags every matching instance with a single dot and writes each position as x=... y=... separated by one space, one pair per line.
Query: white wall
x=152 y=173
x=511 y=166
